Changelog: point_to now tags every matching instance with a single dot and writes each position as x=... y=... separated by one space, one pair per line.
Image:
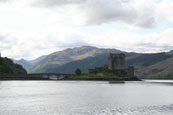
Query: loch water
x=149 y=97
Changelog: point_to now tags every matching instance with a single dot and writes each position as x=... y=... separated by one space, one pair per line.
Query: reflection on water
x=85 y=97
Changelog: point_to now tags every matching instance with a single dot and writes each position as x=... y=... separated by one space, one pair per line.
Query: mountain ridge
x=28 y=63
x=161 y=67
x=147 y=65
x=68 y=55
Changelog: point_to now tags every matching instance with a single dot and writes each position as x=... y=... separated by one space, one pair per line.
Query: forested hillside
x=8 y=67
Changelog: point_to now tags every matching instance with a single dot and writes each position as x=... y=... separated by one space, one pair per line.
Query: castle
x=116 y=62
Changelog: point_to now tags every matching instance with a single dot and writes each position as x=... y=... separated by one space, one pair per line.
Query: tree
x=78 y=71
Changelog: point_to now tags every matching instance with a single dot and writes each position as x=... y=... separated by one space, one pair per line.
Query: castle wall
x=110 y=64
x=116 y=61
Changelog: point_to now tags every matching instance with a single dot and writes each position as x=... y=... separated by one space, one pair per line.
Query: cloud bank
x=142 y=14
x=32 y=28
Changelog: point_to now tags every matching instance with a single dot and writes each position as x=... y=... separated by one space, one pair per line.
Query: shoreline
x=70 y=80
x=67 y=78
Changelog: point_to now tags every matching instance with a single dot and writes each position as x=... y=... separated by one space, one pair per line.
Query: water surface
x=86 y=98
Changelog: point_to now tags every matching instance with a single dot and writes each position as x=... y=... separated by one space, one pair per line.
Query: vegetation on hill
x=101 y=76
x=160 y=70
x=78 y=72
x=84 y=65
x=8 y=67
x=153 y=65
x=60 y=58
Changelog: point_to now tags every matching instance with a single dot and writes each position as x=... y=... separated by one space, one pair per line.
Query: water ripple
x=150 y=110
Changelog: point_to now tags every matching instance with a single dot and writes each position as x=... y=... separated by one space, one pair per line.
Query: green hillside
x=60 y=58
x=161 y=70
x=158 y=65
x=84 y=64
x=153 y=65
x=8 y=67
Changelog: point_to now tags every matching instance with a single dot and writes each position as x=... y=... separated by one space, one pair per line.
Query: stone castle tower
x=116 y=61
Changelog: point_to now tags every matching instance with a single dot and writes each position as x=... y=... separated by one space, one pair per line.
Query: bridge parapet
x=40 y=76
x=50 y=75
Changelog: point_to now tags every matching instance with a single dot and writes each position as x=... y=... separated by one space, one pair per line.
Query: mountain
x=158 y=65
x=8 y=67
x=90 y=62
x=35 y=61
x=147 y=65
x=63 y=57
x=23 y=62
x=162 y=69
x=28 y=63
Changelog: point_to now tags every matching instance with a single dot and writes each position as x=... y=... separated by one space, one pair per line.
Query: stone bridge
x=36 y=76
x=57 y=76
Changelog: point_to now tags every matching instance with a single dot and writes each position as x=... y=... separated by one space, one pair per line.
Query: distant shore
x=15 y=77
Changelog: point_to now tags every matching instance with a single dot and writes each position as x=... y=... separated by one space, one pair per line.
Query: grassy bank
x=101 y=76
x=84 y=76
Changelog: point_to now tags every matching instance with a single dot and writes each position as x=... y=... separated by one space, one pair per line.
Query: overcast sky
x=31 y=28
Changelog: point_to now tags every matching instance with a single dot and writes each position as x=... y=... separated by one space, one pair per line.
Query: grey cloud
x=73 y=44
x=54 y=3
x=2 y=38
x=71 y=40
x=6 y=43
x=167 y=48
x=104 y=11
x=145 y=47
x=149 y=44
x=148 y=22
x=2 y=0
x=26 y=55
x=67 y=2
x=5 y=1
x=75 y=40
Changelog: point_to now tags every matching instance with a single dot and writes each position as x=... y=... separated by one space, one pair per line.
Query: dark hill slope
x=150 y=65
x=146 y=65
x=8 y=67
x=148 y=59
x=63 y=57
x=161 y=70
x=90 y=62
